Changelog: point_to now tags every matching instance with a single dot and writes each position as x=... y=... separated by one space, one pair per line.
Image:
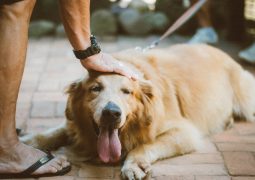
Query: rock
x=144 y=25
x=116 y=9
x=139 y=5
x=134 y=23
x=60 y=31
x=128 y=18
x=160 y=22
x=103 y=23
x=41 y=28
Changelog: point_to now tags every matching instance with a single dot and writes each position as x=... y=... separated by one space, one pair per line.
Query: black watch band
x=90 y=51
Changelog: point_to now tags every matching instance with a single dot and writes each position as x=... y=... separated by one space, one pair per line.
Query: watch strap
x=83 y=54
x=90 y=51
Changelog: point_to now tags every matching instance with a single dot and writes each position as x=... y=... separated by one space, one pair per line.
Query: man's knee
x=17 y=10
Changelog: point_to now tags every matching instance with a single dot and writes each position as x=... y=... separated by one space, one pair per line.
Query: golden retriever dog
x=184 y=92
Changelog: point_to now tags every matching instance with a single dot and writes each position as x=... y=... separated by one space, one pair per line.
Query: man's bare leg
x=15 y=156
x=206 y=32
x=203 y=16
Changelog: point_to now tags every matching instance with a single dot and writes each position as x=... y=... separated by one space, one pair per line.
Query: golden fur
x=185 y=91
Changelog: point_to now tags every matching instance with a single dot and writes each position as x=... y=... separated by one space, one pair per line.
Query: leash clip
x=178 y=23
x=151 y=46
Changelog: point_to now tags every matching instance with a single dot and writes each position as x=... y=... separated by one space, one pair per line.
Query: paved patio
x=50 y=67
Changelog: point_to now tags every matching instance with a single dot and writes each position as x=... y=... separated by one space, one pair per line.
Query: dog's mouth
x=108 y=143
x=96 y=128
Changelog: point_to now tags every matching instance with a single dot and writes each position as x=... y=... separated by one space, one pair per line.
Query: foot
x=19 y=157
x=248 y=54
x=205 y=36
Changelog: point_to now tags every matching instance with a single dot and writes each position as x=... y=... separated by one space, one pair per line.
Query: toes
x=139 y=174
x=65 y=164
x=64 y=161
x=57 y=165
x=53 y=166
x=128 y=174
x=61 y=162
x=52 y=169
x=47 y=168
x=146 y=167
x=62 y=158
x=132 y=172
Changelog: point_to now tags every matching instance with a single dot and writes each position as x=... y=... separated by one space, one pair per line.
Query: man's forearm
x=76 y=19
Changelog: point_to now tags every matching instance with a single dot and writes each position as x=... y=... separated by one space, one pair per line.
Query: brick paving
x=50 y=67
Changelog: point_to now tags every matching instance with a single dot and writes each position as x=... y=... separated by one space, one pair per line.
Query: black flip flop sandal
x=28 y=172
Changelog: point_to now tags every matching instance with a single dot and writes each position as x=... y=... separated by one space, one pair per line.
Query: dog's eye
x=126 y=91
x=96 y=88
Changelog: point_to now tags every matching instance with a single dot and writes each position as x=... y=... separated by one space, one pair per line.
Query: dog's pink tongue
x=108 y=145
x=115 y=146
x=103 y=145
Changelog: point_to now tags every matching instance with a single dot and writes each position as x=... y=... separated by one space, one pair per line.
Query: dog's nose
x=111 y=111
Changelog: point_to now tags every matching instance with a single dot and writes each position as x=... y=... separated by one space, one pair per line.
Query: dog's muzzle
x=108 y=142
x=111 y=115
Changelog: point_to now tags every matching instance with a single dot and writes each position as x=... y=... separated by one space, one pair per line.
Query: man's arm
x=76 y=19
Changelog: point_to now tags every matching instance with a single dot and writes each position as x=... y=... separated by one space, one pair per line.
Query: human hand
x=103 y=62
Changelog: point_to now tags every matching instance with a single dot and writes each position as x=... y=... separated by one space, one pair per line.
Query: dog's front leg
x=51 y=139
x=181 y=138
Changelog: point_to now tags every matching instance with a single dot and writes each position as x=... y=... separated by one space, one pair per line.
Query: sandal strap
x=38 y=164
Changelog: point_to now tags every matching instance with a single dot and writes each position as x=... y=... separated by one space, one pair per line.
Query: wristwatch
x=90 y=51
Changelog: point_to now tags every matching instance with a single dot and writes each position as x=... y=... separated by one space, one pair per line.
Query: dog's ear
x=147 y=89
x=147 y=99
x=69 y=112
x=74 y=91
x=74 y=87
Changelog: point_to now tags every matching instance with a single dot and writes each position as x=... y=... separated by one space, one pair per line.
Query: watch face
x=95 y=49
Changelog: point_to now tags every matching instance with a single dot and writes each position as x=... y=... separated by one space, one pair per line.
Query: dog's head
x=110 y=103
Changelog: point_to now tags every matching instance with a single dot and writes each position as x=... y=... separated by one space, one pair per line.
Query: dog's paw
x=135 y=170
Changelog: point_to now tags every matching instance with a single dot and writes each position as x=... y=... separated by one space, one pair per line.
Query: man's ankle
x=7 y=144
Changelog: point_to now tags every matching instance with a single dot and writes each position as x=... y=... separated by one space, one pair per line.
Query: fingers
x=97 y=65
x=125 y=71
x=106 y=63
